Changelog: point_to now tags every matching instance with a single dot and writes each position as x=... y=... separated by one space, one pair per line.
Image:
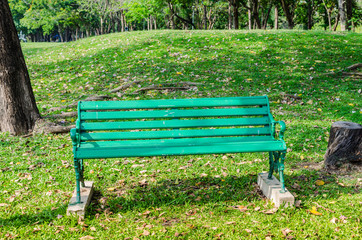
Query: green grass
x=175 y=201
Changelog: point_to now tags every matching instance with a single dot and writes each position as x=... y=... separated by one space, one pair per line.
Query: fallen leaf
x=271 y=211
x=248 y=230
x=286 y=231
x=111 y=189
x=319 y=182
x=4 y=205
x=315 y=212
x=145 y=233
x=297 y=203
x=229 y=223
x=203 y=175
x=87 y=237
x=333 y=220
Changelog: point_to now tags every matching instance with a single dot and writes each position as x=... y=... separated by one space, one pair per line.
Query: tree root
x=354 y=66
x=166 y=86
x=63 y=115
x=45 y=127
x=91 y=98
x=126 y=86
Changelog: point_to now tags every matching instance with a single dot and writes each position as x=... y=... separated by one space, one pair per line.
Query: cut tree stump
x=344 y=145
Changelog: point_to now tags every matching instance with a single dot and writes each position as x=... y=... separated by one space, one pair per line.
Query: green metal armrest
x=282 y=130
x=73 y=136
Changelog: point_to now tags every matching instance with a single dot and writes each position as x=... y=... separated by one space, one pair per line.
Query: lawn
x=189 y=197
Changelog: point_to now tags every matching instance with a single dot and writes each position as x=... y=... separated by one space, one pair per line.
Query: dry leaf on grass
x=319 y=182
x=271 y=211
x=286 y=231
x=87 y=237
x=315 y=212
x=229 y=223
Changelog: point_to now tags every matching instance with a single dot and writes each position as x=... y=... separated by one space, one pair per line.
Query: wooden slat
x=98 y=126
x=174 y=134
x=181 y=150
x=173 y=142
x=174 y=103
x=174 y=113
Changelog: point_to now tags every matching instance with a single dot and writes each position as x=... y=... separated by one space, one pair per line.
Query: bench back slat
x=189 y=113
x=175 y=103
x=174 y=134
x=195 y=123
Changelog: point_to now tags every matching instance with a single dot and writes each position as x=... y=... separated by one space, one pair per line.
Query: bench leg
x=271 y=165
x=81 y=172
x=276 y=161
x=78 y=177
x=281 y=171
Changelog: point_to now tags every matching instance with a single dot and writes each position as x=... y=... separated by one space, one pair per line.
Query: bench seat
x=185 y=146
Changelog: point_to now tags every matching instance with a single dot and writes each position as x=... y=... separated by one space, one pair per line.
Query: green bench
x=143 y=128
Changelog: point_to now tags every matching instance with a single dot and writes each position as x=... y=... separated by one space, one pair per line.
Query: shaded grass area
x=190 y=197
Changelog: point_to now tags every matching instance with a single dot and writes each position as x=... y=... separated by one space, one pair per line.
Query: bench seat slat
x=94 y=126
x=174 y=103
x=174 y=134
x=172 y=142
x=191 y=113
x=140 y=151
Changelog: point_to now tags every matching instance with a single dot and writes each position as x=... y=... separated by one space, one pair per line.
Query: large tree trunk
x=342 y=14
x=344 y=145
x=289 y=13
x=236 y=13
x=18 y=110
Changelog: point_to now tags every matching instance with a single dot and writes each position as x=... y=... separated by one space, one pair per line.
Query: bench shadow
x=204 y=190
x=46 y=215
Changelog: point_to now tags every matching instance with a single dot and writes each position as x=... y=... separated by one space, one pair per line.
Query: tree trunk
x=205 y=17
x=236 y=14
x=122 y=22
x=172 y=16
x=276 y=23
x=230 y=23
x=344 y=145
x=288 y=14
x=349 y=13
x=342 y=14
x=18 y=110
x=336 y=23
x=250 y=21
x=265 y=20
x=310 y=16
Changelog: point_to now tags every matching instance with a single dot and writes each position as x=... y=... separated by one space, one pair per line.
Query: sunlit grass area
x=188 y=197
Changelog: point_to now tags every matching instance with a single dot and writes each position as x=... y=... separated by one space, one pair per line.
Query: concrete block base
x=271 y=189
x=86 y=195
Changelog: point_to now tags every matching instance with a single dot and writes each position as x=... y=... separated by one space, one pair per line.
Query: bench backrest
x=175 y=118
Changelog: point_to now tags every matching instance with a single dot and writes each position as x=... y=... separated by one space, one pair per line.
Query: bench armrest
x=74 y=136
x=282 y=130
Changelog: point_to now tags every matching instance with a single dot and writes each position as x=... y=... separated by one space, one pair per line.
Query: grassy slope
x=181 y=203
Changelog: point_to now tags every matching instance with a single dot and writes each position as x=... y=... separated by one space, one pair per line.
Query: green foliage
x=155 y=198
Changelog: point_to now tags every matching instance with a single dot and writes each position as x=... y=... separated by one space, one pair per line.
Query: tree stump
x=344 y=145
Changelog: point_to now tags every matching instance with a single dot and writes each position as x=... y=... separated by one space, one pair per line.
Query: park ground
x=190 y=197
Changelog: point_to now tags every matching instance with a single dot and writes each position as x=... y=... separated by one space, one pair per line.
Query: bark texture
x=18 y=110
x=345 y=144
